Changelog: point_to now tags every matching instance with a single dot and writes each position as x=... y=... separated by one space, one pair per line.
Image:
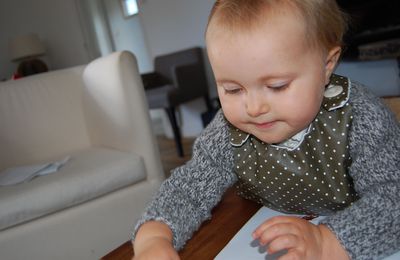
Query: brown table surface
x=227 y=218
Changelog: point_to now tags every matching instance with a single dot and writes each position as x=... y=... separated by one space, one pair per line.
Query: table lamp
x=26 y=49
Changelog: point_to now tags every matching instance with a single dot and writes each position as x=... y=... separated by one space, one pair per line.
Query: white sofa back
x=41 y=117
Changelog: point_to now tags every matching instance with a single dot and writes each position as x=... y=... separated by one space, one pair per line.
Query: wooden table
x=227 y=218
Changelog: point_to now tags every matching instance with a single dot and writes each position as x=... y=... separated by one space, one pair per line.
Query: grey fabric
x=185 y=199
x=369 y=229
x=106 y=170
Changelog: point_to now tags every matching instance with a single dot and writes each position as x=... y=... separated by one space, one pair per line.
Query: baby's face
x=270 y=83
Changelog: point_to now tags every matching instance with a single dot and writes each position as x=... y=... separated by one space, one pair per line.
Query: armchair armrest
x=116 y=109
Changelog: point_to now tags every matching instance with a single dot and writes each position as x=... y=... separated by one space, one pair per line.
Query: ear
x=331 y=62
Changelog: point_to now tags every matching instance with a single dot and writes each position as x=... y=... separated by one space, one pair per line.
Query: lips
x=265 y=125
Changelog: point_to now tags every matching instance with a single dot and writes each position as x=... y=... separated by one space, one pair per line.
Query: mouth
x=265 y=125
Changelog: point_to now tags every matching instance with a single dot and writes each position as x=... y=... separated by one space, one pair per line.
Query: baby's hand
x=301 y=239
x=154 y=241
x=156 y=248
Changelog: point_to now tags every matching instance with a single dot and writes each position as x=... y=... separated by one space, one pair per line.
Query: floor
x=169 y=158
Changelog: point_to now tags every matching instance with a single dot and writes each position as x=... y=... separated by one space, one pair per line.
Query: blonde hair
x=325 y=22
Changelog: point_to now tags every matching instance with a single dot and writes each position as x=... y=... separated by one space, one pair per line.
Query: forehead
x=278 y=31
x=243 y=22
x=239 y=15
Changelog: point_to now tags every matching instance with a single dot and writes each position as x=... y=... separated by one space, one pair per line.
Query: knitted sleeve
x=185 y=199
x=370 y=228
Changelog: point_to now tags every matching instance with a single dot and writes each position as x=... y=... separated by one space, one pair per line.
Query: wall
x=55 y=21
x=174 y=24
x=102 y=28
x=127 y=34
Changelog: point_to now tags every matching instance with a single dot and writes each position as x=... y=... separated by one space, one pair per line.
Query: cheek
x=231 y=108
x=308 y=114
x=301 y=110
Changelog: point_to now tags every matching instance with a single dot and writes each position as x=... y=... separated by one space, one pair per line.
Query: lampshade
x=26 y=46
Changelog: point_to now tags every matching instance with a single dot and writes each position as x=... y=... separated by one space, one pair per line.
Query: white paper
x=12 y=176
x=242 y=246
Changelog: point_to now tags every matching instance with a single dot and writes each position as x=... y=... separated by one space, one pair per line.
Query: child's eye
x=232 y=91
x=278 y=87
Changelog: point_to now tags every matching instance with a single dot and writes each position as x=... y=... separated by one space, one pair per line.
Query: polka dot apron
x=306 y=174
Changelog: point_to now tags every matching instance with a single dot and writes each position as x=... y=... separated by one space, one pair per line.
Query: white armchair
x=98 y=115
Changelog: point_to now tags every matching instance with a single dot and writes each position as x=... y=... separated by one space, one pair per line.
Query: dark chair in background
x=178 y=77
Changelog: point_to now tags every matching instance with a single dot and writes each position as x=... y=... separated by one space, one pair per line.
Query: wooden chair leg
x=175 y=128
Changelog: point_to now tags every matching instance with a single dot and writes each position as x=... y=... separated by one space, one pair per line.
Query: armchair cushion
x=88 y=174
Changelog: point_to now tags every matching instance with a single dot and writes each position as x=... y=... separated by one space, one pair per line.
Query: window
x=129 y=7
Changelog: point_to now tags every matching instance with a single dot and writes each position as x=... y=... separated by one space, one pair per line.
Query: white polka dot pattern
x=311 y=179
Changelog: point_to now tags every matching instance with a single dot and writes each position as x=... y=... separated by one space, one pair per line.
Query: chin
x=275 y=140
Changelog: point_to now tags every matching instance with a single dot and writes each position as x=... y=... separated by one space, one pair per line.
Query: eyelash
x=280 y=88
x=232 y=91
x=236 y=91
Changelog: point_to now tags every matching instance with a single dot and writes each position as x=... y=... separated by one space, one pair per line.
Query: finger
x=293 y=254
x=277 y=230
x=270 y=222
x=288 y=242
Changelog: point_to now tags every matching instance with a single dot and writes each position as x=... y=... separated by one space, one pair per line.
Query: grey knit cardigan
x=369 y=229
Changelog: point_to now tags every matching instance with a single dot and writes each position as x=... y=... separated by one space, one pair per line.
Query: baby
x=291 y=135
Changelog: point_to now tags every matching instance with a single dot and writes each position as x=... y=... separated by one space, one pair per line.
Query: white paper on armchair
x=12 y=176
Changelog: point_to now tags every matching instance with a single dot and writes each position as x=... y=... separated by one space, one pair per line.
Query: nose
x=256 y=105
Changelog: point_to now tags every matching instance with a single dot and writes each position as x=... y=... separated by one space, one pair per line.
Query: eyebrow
x=266 y=78
x=221 y=81
x=260 y=79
